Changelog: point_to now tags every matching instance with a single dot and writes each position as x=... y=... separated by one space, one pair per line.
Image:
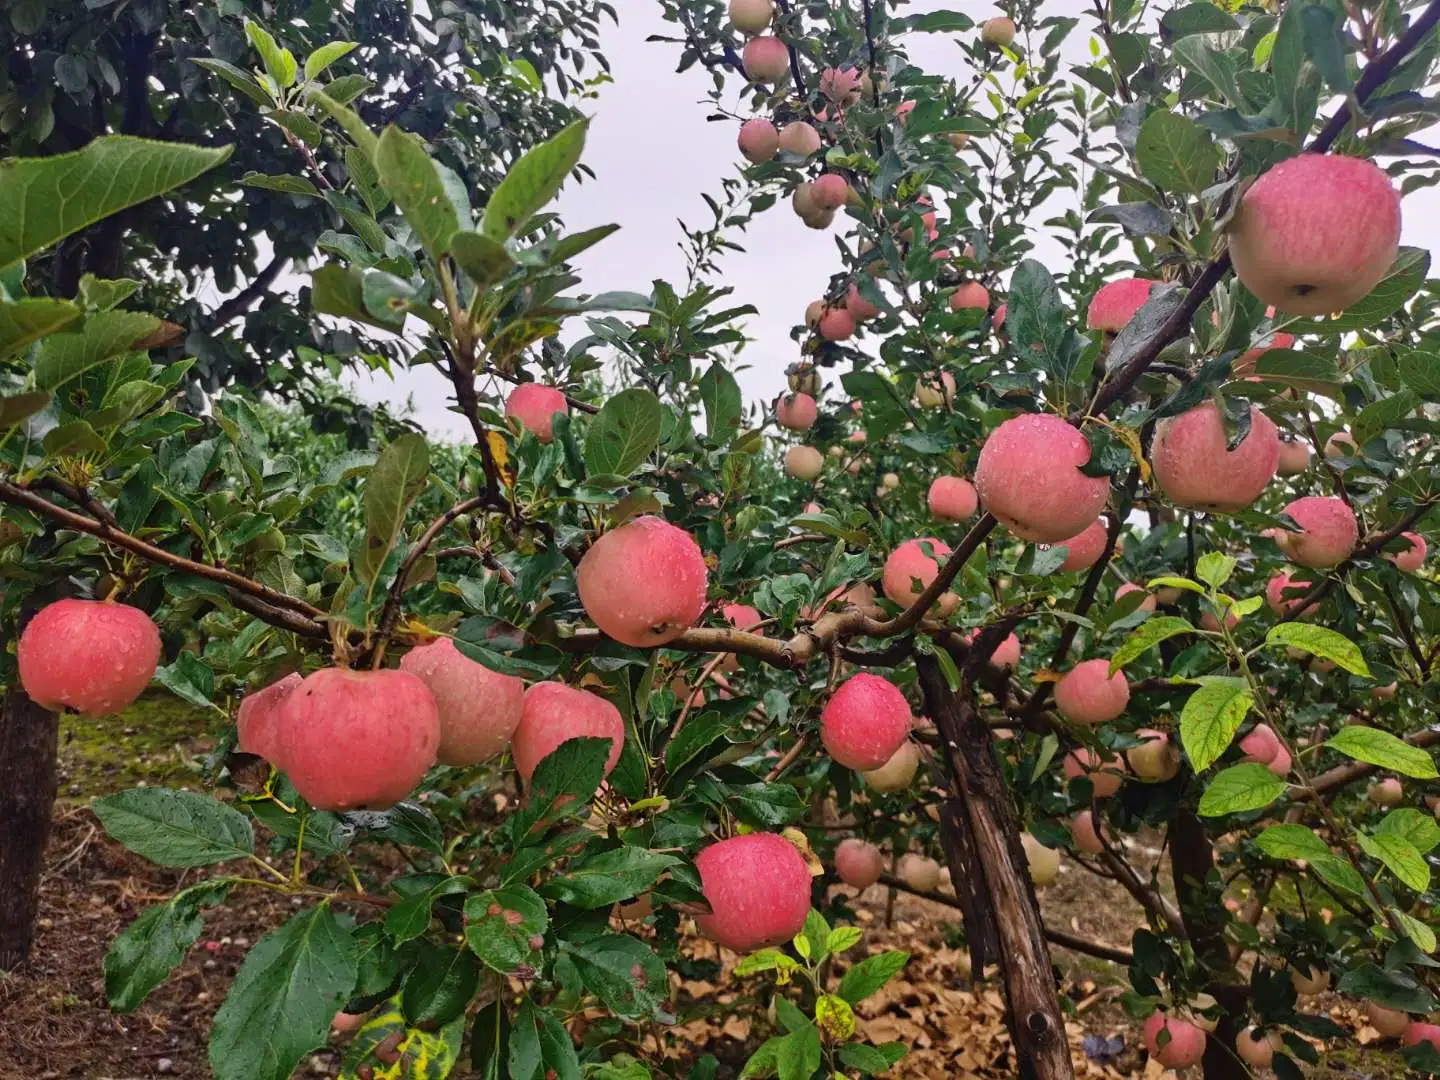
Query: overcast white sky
x=654 y=153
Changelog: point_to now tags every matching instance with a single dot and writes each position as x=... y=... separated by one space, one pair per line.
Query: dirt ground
x=54 y=1022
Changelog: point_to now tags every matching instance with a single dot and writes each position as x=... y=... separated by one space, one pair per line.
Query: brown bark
x=983 y=846
x=1192 y=859
x=29 y=738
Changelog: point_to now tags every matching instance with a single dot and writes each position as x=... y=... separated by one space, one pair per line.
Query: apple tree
x=1139 y=530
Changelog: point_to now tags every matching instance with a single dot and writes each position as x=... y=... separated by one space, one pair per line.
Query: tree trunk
x=991 y=874
x=1192 y=860
x=29 y=739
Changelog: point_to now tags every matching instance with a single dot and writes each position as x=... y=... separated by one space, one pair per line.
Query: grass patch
x=157 y=741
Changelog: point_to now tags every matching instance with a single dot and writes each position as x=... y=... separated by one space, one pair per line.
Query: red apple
x=1196 y=470
x=952 y=499
x=765 y=59
x=535 y=406
x=804 y=462
x=257 y=722
x=897 y=773
x=93 y=656
x=1088 y=694
x=1412 y=558
x=479 y=708
x=1084 y=550
x=1029 y=477
x=1155 y=760
x=858 y=863
x=797 y=412
x=666 y=559
x=1103 y=772
x=758 y=889
x=1116 y=302
x=1184 y=1043
x=759 y=141
x=554 y=714
x=1328 y=533
x=865 y=722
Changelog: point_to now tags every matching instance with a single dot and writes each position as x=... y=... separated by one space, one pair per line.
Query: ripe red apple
x=1341 y=444
x=1257 y=1049
x=1388 y=792
x=554 y=714
x=1388 y=1022
x=1088 y=694
x=799 y=137
x=1148 y=604
x=998 y=32
x=759 y=141
x=865 y=722
x=93 y=656
x=919 y=872
x=998 y=319
x=1087 y=839
x=909 y=563
x=1415 y=1033
x=796 y=412
x=1281 y=763
x=479 y=708
x=1184 y=1042
x=1196 y=470
x=897 y=773
x=1084 y=550
x=840 y=85
x=1294 y=458
x=1029 y=477
x=345 y=1022
x=1208 y=621
x=535 y=406
x=1115 y=304
x=765 y=59
x=1103 y=772
x=257 y=721
x=1309 y=981
x=860 y=309
x=1262 y=745
x=751 y=16
x=970 y=295
x=1044 y=862
x=355 y=740
x=952 y=499
x=804 y=462
x=837 y=324
x=903 y=111
x=1328 y=531
x=758 y=889
x=1155 y=760
x=1412 y=558
x=1284 y=594
x=670 y=563
x=858 y=863
x=1316 y=233
x=742 y=616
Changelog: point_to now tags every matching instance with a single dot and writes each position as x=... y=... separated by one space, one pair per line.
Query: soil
x=55 y=1023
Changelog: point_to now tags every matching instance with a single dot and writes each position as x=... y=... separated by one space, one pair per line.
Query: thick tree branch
x=391 y=611
x=245 y=299
x=1338 y=777
x=307 y=615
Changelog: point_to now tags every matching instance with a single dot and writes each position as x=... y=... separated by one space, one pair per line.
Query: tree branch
x=391 y=611
x=242 y=301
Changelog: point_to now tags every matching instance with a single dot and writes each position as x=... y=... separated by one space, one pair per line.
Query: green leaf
x=766 y=805
x=625 y=974
x=720 y=394
x=320 y=60
x=1215 y=569
x=238 y=78
x=25 y=322
x=1241 y=788
x=285 y=183
x=500 y=925
x=624 y=433
x=490 y=1042
x=75 y=439
x=176 y=828
x=1319 y=641
x=563 y=784
x=610 y=877
x=103 y=336
x=868 y=1059
x=1399 y=857
x=190 y=679
x=1376 y=747
x=1216 y=67
x=843 y=938
x=1325 y=46
x=19 y=407
x=1174 y=583
x=1041 y=328
x=398 y=478
x=1419 y=829
x=1418 y=932
x=1176 y=154
x=440 y=985
x=1377 y=417
x=280 y=1006
x=798 y=1055
x=1292 y=842
x=870 y=974
x=1393 y=989
x=348 y=120
x=279 y=62
x=1404 y=278
x=414 y=181
x=811 y=942
x=340 y=291
x=44 y=200
x=99 y=294
x=346 y=88
x=1211 y=716
x=502 y=648
x=484 y=260
x=533 y=182
x=155 y=943
x=764 y=1061
x=1338 y=874
x=1197 y=19
x=1421 y=372
x=1146 y=636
